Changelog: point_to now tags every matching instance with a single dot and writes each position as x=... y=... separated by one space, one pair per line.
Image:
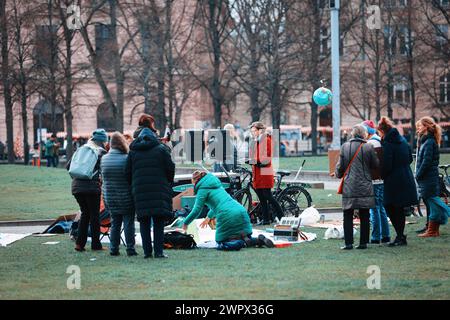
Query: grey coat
x=358 y=189
x=115 y=188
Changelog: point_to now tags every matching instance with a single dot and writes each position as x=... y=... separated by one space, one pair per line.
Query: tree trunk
x=23 y=102
x=6 y=82
x=98 y=75
x=118 y=73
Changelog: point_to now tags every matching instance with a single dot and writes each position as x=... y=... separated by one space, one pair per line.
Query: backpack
x=179 y=240
x=83 y=163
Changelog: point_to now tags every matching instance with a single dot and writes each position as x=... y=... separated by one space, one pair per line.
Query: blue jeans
x=128 y=228
x=378 y=216
x=158 y=233
x=437 y=210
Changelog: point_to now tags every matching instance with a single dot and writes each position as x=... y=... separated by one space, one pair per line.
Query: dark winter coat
x=115 y=188
x=89 y=186
x=358 y=190
x=427 y=172
x=399 y=184
x=150 y=171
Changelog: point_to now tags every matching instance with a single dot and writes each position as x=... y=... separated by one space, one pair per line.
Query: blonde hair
x=432 y=128
x=197 y=176
x=119 y=142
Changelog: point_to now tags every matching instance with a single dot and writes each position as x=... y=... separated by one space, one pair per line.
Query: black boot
x=250 y=242
x=263 y=241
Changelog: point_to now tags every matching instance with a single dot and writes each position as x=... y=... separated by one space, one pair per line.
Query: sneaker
x=265 y=241
x=115 y=253
x=148 y=256
x=362 y=247
x=347 y=247
x=374 y=241
x=161 y=256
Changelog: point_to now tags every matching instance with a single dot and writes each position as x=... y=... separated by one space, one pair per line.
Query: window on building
x=46 y=45
x=396 y=40
x=441 y=35
x=444 y=88
x=401 y=91
x=323 y=41
x=395 y=3
x=103 y=43
x=403 y=37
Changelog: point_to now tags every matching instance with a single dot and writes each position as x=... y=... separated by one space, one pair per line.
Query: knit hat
x=99 y=135
x=370 y=126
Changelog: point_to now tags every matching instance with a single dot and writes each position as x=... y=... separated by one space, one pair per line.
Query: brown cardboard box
x=176 y=201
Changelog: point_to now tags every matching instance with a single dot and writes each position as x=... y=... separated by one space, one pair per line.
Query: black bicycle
x=293 y=199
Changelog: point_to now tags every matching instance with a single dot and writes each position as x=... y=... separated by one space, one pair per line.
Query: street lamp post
x=333 y=152
x=335 y=37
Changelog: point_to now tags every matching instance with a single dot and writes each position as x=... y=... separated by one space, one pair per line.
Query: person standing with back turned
x=399 y=185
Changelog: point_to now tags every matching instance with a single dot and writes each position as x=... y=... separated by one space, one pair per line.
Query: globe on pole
x=322 y=96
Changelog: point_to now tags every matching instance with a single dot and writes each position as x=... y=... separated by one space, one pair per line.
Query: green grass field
x=315 y=270
x=30 y=193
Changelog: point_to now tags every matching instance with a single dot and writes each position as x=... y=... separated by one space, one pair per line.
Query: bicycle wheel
x=293 y=200
x=244 y=197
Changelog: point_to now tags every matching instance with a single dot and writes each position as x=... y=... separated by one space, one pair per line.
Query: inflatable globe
x=322 y=96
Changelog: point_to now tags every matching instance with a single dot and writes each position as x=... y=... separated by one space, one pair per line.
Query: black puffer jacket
x=150 y=172
x=89 y=186
x=399 y=185
x=427 y=173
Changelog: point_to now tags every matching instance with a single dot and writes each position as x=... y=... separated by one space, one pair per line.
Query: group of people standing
x=135 y=181
x=378 y=181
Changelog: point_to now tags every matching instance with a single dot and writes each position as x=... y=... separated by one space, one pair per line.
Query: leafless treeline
x=272 y=52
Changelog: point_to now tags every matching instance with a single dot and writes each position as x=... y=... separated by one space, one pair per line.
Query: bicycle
x=292 y=199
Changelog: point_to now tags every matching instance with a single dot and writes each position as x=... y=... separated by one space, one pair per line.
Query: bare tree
x=6 y=79
x=22 y=20
x=214 y=19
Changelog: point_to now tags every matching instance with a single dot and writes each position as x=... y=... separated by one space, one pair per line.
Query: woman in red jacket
x=263 y=177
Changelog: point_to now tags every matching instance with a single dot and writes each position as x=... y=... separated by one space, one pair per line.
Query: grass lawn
x=30 y=193
x=316 y=270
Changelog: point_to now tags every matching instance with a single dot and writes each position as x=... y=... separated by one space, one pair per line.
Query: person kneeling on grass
x=233 y=227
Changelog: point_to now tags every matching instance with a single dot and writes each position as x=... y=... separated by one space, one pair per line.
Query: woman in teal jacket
x=232 y=220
